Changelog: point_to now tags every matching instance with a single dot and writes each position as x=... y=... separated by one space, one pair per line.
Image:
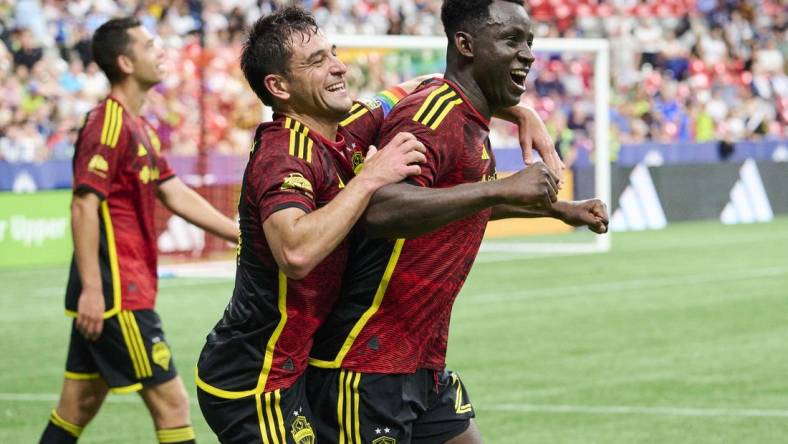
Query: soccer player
x=117 y=342
x=296 y=208
x=378 y=371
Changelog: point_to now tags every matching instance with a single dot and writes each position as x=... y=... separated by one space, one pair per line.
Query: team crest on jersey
x=384 y=440
x=358 y=162
x=302 y=431
x=296 y=181
x=161 y=355
x=98 y=165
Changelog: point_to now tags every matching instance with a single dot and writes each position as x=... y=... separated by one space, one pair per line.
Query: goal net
x=375 y=62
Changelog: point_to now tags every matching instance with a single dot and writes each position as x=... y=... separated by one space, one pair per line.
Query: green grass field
x=676 y=336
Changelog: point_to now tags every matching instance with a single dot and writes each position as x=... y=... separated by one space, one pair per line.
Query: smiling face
x=502 y=54
x=147 y=57
x=316 y=77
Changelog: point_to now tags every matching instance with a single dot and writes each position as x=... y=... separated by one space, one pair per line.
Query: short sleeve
x=99 y=150
x=165 y=170
x=278 y=180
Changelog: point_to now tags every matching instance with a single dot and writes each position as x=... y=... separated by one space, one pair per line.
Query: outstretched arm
x=405 y=211
x=591 y=213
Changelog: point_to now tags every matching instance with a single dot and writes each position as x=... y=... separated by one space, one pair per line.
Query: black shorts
x=282 y=416
x=130 y=354
x=425 y=407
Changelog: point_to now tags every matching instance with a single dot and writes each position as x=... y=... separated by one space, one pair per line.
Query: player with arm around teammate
x=296 y=207
x=377 y=369
x=117 y=342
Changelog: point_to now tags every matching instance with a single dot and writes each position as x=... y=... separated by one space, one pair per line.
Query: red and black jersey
x=117 y=158
x=263 y=340
x=397 y=295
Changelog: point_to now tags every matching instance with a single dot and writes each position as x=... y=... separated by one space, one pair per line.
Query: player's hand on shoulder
x=591 y=213
x=535 y=184
x=90 y=313
x=399 y=159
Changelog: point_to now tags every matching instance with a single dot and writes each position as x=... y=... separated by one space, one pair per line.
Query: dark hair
x=111 y=40
x=267 y=48
x=466 y=15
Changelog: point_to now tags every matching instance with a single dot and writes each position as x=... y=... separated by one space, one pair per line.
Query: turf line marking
x=637 y=410
x=524 y=408
x=635 y=284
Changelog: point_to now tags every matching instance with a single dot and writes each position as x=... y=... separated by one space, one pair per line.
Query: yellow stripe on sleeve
x=445 y=112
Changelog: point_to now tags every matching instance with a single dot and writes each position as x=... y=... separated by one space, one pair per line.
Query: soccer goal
x=416 y=55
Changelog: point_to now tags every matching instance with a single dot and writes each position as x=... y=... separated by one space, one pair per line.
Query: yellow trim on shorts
x=135 y=345
x=127 y=389
x=348 y=400
x=76 y=376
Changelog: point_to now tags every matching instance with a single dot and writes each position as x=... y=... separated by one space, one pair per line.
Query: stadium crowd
x=683 y=70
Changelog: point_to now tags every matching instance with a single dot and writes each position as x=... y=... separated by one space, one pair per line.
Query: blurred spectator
x=682 y=70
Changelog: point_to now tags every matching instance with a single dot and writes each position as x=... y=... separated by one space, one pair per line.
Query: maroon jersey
x=397 y=295
x=117 y=158
x=262 y=342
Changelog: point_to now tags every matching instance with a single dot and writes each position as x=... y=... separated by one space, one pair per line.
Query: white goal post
x=600 y=48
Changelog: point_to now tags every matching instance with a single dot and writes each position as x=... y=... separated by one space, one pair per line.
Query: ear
x=126 y=64
x=464 y=43
x=277 y=86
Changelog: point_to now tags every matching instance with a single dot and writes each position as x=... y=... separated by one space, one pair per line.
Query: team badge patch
x=384 y=440
x=358 y=162
x=161 y=355
x=302 y=431
x=98 y=165
x=296 y=181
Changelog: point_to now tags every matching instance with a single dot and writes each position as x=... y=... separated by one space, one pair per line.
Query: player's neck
x=130 y=95
x=468 y=86
x=325 y=127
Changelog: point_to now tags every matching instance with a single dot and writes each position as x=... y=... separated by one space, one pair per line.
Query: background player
x=117 y=342
x=379 y=360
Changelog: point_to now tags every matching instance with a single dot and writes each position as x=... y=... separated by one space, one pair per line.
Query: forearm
x=85 y=232
x=407 y=211
x=513 y=211
x=189 y=205
x=559 y=210
x=303 y=244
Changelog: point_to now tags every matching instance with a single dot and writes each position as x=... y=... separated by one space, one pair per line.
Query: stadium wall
x=733 y=192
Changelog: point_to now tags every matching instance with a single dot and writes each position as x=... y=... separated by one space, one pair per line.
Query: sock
x=60 y=431
x=180 y=435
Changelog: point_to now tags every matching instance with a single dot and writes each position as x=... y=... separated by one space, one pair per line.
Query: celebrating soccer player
x=117 y=342
x=378 y=363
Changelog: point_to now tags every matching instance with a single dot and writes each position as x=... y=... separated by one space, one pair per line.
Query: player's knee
x=172 y=409
x=88 y=405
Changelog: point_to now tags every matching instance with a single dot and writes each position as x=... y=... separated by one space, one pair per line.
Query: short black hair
x=267 y=48
x=111 y=40
x=466 y=15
